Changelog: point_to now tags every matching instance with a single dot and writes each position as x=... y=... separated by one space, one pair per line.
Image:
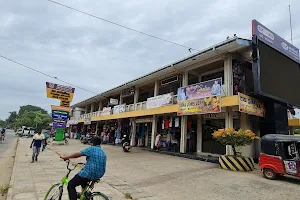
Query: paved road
x=8 y=142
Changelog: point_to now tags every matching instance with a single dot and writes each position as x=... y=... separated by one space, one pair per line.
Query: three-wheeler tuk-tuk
x=280 y=155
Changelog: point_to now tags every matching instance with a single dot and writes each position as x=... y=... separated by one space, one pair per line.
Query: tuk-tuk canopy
x=280 y=138
x=276 y=144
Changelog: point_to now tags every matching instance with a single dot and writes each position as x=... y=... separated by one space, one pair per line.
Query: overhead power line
x=123 y=26
x=54 y=77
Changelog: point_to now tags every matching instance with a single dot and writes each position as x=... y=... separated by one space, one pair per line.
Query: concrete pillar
x=154 y=131
x=136 y=97
x=199 y=134
x=100 y=105
x=248 y=150
x=292 y=130
x=183 y=138
x=97 y=127
x=228 y=124
x=92 y=107
x=121 y=99
x=133 y=131
x=228 y=75
x=146 y=135
x=86 y=109
x=156 y=88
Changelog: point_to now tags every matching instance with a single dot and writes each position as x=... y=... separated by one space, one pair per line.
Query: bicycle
x=56 y=190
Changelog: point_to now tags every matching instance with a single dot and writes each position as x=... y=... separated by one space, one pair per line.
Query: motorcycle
x=125 y=143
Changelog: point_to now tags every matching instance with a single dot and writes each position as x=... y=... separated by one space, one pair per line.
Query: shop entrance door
x=210 y=145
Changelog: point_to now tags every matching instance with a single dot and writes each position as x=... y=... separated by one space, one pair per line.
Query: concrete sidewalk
x=31 y=181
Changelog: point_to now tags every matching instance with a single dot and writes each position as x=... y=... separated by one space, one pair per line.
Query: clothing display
x=166 y=123
x=177 y=122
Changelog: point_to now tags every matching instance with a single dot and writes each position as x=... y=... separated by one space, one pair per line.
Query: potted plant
x=235 y=162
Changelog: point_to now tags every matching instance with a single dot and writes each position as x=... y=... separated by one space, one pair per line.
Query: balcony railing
x=134 y=107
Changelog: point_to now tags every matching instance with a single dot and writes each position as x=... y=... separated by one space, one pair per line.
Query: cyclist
x=93 y=170
x=3 y=133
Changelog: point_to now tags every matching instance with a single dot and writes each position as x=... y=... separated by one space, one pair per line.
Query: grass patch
x=127 y=195
x=4 y=189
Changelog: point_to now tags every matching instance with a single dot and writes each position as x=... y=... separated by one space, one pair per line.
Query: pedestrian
x=157 y=141
x=37 y=143
x=93 y=170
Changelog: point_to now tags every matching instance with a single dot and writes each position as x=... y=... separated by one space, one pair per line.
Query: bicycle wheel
x=98 y=195
x=55 y=192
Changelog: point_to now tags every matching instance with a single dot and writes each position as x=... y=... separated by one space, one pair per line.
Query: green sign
x=60 y=134
x=60 y=112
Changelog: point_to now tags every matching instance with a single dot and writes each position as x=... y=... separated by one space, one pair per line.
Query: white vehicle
x=26 y=132
x=19 y=132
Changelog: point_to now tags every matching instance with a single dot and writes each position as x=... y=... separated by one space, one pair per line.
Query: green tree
x=35 y=119
x=28 y=108
x=2 y=123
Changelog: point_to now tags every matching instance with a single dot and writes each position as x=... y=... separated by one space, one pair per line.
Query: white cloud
x=98 y=56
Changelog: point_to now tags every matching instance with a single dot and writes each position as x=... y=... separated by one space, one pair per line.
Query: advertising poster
x=159 y=101
x=60 y=117
x=61 y=92
x=200 y=106
x=56 y=125
x=119 y=109
x=106 y=111
x=61 y=108
x=113 y=101
x=251 y=105
x=291 y=167
x=60 y=112
x=200 y=90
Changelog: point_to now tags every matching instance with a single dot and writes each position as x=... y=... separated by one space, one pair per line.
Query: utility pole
x=291 y=24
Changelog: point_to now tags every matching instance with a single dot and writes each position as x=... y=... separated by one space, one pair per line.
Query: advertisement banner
x=113 y=101
x=56 y=125
x=119 y=109
x=61 y=108
x=251 y=105
x=200 y=106
x=200 y=90
x=60 y=117
x=159 y=101
x=106 y=111
x=60 y=92
x=290 y=167
x=272 y=39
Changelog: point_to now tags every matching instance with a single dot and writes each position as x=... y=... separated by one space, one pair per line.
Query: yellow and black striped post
x=236 y=163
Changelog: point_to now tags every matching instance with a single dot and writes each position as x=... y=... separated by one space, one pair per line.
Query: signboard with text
x=61 y=92
x=61 y=108
x=272 y=39
x=251 y=106
x=200 y=106
x=60 y=117
x=159 y=101
x=119 y=108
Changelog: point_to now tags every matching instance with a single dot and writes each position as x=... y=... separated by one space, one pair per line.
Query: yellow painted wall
x=294 y=122
x=225 y=102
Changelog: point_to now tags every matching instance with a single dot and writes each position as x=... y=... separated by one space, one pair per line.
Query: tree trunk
x=233 y=149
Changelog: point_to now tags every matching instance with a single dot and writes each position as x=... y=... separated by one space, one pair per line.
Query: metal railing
x=137 y=106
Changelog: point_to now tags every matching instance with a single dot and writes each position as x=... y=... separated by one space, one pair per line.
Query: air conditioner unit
x=169 y=80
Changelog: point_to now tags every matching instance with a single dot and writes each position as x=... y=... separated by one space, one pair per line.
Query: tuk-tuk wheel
x=269 y=174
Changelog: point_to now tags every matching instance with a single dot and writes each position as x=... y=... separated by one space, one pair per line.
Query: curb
x=236 y=163
x=9 y=195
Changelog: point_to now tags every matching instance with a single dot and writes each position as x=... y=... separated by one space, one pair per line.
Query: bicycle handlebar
x=68 y=161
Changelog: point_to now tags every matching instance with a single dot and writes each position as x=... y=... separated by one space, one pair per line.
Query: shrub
x=234 y=138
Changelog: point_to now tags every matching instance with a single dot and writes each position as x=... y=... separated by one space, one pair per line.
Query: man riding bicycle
x=93 y=170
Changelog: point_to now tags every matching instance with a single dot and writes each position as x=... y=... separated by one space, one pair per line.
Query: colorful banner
x=272 y=39
x=200 y=90
x=61 y=92
x=159 y=101
x=200 y=106
x=61 y=108
x=251 y=105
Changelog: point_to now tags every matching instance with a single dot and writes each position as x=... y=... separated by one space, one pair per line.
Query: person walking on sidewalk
x=37 y=143
x=93 y=170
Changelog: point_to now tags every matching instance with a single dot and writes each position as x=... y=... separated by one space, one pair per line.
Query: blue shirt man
x=93 y=170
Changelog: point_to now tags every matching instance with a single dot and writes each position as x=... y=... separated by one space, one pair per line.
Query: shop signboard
x=60 y=117
x=200 y=106
x=106 y=111
x=144 y=120
x=87 y=121
x=275 y=41
x=61 y=108
x=119 y=109
x=220 y=115
x=56 y=125
x=159 y=101
x=251 y=106
x=113 y=101
x=60 y=112
x=61 y=92
x=200 y=90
